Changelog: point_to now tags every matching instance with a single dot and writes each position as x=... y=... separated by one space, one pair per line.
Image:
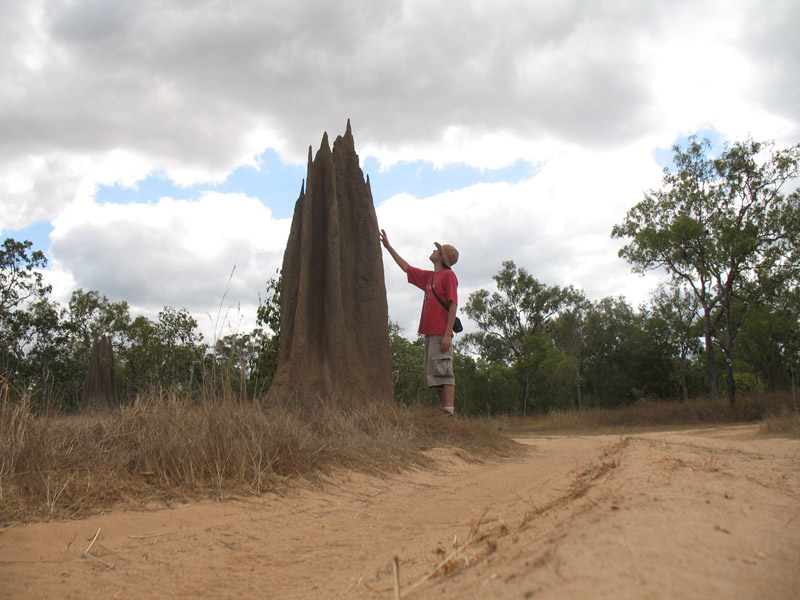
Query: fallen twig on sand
x=151 y=535
x=92 y=556
x=94 y=539
x=396 y=567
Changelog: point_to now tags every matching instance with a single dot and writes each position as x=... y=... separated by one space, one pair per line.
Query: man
x=436 y=322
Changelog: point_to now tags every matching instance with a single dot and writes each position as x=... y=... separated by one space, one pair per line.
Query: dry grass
x=650 y=415
x=163 y=450
x=785 y=423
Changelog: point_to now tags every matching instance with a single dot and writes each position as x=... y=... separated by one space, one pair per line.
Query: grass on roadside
x=649 y=415
x=162 y=450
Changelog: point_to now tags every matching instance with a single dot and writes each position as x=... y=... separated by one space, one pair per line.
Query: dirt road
x=711 y=513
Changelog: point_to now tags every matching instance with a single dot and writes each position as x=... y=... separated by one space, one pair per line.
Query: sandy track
x=709 y=513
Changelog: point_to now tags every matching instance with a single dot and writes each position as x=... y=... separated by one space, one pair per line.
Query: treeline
x=537 y=347
x=45 y=348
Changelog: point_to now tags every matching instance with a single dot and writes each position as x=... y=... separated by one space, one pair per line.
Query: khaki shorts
x=438 y=364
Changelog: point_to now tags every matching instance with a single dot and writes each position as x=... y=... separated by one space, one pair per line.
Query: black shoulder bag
x=457 y=326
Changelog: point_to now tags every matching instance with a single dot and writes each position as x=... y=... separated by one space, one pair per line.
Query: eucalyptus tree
x=611 y=324
x=765 y=344
x=521 y=307
x=181 y=346
x=20 y=274
x=161 y=355
x=92 y=316
x=21 y=286
x=140 y=358
x=47 y=368
x=571 y=335
x=723 y=227
x=678 y=308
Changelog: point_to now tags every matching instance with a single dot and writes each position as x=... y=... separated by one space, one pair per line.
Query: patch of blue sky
x=273 y=182
x=147 y=190
x=277 y=184
x=38 y=234
x=423 y=179
x=664 y=156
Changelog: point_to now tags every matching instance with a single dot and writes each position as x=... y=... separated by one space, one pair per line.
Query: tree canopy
x=722 y=227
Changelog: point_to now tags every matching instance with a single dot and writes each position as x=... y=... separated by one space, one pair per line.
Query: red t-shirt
x=434 y=317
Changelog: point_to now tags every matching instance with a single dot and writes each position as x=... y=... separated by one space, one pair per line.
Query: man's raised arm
x=401 y=262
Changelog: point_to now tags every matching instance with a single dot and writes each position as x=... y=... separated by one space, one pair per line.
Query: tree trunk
x=712 y=364
x=578 y=362
x=730 y=379
x=523 y=400
x=684 y=387
x=729 y=339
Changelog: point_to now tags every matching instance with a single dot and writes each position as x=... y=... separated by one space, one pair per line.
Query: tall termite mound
x=334 y=330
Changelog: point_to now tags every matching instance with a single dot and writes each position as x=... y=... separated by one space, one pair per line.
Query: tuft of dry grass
x=164 y=449
x=786 y=423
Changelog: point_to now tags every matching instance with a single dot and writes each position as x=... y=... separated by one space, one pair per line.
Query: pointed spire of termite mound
x=334 y=318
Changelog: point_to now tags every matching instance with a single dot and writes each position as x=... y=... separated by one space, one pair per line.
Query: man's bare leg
x=447 y=397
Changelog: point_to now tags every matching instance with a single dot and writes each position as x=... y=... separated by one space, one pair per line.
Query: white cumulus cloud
x=199 y=255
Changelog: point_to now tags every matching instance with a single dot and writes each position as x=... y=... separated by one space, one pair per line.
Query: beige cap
x=449 y=254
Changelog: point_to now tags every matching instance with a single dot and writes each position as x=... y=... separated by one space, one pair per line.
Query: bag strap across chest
x=435 y=295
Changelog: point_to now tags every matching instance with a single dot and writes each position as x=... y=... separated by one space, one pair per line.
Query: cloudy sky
x=155 y=149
